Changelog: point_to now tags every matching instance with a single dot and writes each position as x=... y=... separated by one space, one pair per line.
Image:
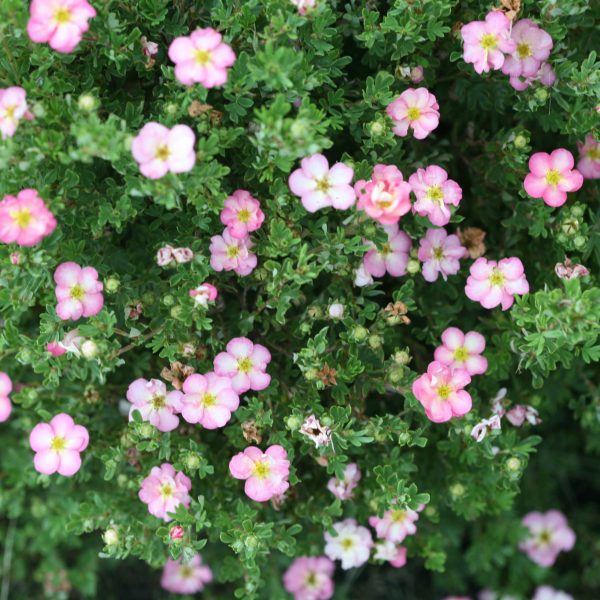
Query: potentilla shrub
x=299 y=299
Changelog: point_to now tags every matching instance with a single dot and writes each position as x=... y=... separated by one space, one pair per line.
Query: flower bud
x=168 y=300
x=86 y=102
x=541 y=94
x=401 y=357
x=176 y=533
x=513 y=464
x=457 y=490
x=336 y=311
x=111 y=285
x=570 y=226
x=375 y=341
x=192 y=461
x=89 y=349
x=170 y=108
x=377 y=128
x=315 y=312
x=360 y=333
x=396 y=374
x=15 y=258
x=579 y=241
x=520 y=141
x=293 y=422
x=110 y=537
x=146 y=430
x=413 y=266
x=251 y=542
x=176 y=311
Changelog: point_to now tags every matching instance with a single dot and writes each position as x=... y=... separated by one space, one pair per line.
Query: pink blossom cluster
x=179 y=577
x=25 y=219
x=5 y=390
x=344 y=488
x=78 y=291
x=589 y=157
x=57 y=445
x=549 y=535
x=310 y=578
x=167 y=255
x=13 y=108
x=71 y=342
x=154 y=403
x=164 y=490
x=266 y=473
x=568 y=270
x=415 y=109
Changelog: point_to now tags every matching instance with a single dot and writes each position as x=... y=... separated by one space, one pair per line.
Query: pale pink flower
x=386 y=196
x=313 y=429
x=319 y=186
x=183 y=255
x=486 y=426
x=149 y=48
x=441 y=392
x=176 y=532
x=310 y=578
x=202 y=57
x=393 y=553
x=417 y=74
x=304 y=5
x=13 y=108
x=167 y=254
x=589 y=157
x=545 y=75
x=15 y=258
x=179 y=577
x=25 y=220
x=362 y=277
x=266 y=474
x=462 y=351
x=245 y=363
x=552 y=176
x=392 y=257
x=154 y=403
x=532 y=48
x=70 y=343
x=521 y=413
x=417 y=109
x=203 y=294
x=241 y=214
x=159 y=150
x=78 y=291
x=487 y=42
x=549 y=535
x=395 y=525
x=208 y=400
x=492 y=283
x=498 y=402
x=570 y=271
x=5 y=389
x=435 y=193
x=336 y=310
x=57 y=445
x=344 y=488
x=440 y=253
x=545 y=592
x=232 y=254
x=352 y=544
x=61 y=23
x=164 y=490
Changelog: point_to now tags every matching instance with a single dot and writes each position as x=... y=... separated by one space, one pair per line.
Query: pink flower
x=164 y=490
x=461 y=351
x=344 y=488
x=545 y=592
x=148 y=48
x=417 y=109
x=203 y=294
x=78 y=291
x=434 y=192
x=176 y=532
x=13 y=107
x=440 y=253
x=570 y=271
x=549 y=534
x=532 y=48
x=57 y=445
x=304 y=5
x=155 y=405
x=492 y=283
x=179 y=577
x=393 y=553
x=159 y=150
x=521 y=413
x=313 y=429
x=209 y=400
x=201 y=58
x=486 y=426
x=61 y=23
x=310 y=578
x=70 y=343
x=266 y=474
x=242 y=214
x=395 y=525
x=362 y=277
x=245 y=363
x=232 y=254
x=545 y=75
x=486 y=42
x=15 y=258
x=417 y=74
x=5 y=390
x=386 y=196
x=589 y=157
x=167 y=254
x=319 y=186
x=552 y=176
x=352 y=544
x=441 y=392
x=392 y=257
x=25 y=220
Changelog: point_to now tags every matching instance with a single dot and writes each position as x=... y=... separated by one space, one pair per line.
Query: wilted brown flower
x=177 y=374
x=472 y=239
x=326 y=375
x=250 y=432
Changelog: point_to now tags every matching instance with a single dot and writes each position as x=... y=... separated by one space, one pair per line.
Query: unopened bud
x=86 y=102
x=413 y=266
x=176 y=532
x=89 y=349
x=110 y=537
x=111 y=285
x=520 y=141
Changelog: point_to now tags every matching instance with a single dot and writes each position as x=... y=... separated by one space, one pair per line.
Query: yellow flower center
x=10 y=111
x=438 y=253
x=323 y=185
x=186 y=571
x=62 y=16
x=413 y=113
x=232 y=251
x=158 y=402
x=163 y=152
x=58 y=444
x=311 y=579
x=243 y=215
x=261 y=470
x=496 y=277
x=386 y=249
x=594 y=153
x=461 y=354
x=21 y=217
x=245 y=365
x=77 y=292
x=347 y=543
x=545 y=537
x=202 y=57
x=444 y=391
x=436 y=194
x=553 y=177
x=524 y=50
x=398 y=516
x=209 y=400
x=166 y=490
x=488 y=41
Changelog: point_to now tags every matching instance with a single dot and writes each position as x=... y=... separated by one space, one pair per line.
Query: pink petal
x=453 y=338
x=41 y=437
x=46 y=462
x=70 y=462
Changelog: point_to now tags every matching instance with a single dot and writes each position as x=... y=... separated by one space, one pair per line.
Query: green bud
x=401 y=357
x=403 y=438
x=293 y=422
x=541 y=94
x=315 y=312
x=570 y=226
x=375 y=341
x=457 y=490
x=170 y=108
x=251 y=542
x=122 y=480
x=168 y=300
x=87 y=102
x=192 y=461
x=146 y=430
x=176 y=311
x=396 y=375
x=579 y=241
x=360 y=333
x=520 y=141
x=413 y=266
x=310 y=374
x=377 y=128
x=577 y=211
x=513 y=464
x=148 y=299
x=110 y=537
x=111 y=285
